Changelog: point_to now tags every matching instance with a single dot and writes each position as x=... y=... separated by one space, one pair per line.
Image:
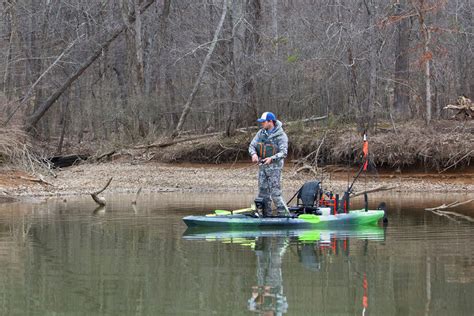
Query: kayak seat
x=307 y=198
x=309 y=194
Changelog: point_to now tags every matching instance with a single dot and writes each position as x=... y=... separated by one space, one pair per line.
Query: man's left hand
x=267 y=161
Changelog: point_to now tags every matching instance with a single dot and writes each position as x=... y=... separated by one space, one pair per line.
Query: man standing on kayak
x=269 y=148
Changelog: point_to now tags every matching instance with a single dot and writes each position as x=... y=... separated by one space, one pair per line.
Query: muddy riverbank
x=239 y=177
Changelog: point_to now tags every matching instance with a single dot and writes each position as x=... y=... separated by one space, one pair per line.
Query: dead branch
x=192 y=95
x=28 y=94
x=319 y=147
x=464 y=106
x=311 y=119
x=174 y=142
x=183 y=140
x=38 y=180
x=44 y=107
x=134 y=202
x=307 y=167
x=106 y=155
x=448 y=213
x=458 y=161
x=381 y=188
x=304 y=161
x=100 y=200
x=448 y=206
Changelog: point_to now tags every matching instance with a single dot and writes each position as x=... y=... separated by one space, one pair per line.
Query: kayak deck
x=353 y=218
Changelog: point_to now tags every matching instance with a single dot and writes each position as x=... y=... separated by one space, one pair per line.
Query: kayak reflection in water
x=267 y=296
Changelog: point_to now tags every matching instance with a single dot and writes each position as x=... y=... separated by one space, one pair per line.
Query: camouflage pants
x=269 y=189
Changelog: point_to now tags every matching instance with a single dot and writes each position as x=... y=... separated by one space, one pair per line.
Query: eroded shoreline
x=241 y=177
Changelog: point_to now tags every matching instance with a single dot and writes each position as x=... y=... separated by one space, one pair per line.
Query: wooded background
x=96 y=70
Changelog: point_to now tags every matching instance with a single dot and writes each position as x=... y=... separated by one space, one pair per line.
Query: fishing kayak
x=245 y=221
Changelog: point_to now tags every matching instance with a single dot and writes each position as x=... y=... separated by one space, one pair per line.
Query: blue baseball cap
x=267 y=116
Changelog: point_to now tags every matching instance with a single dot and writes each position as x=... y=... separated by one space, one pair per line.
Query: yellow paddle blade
x=225 y=212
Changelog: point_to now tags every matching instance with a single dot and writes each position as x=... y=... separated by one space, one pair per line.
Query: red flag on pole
x=365 y=150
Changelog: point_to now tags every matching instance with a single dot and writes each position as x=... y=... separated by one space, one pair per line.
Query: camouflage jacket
x=278 y=138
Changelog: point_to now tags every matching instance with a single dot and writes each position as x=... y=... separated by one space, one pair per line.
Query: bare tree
x=41 y=110
x=402 y=65
x=192 y=95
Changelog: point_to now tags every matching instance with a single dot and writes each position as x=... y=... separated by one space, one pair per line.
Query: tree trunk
x=187 y=106
x=427 y=55
x=44 y=107
x=252 y=48
x=426 y=58
x=139 y=47
x=369 y=106
x=402 y=66
x=11 y=17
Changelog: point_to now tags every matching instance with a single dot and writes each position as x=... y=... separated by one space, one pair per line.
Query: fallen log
x=105 y=155
x=66 y=160
x=311 y=119
x=175 y=141
x=95 y=195
x=464 y=106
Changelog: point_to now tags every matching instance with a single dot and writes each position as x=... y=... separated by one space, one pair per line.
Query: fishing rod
x=349 y=188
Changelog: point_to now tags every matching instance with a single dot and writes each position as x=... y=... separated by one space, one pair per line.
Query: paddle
x=225 y=212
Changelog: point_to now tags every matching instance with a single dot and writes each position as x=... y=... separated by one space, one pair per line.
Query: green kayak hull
x=240 y=221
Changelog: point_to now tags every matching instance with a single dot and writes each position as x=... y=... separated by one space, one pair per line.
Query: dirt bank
x=239 y=177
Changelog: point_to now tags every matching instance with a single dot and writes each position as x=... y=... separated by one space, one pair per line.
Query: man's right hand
x=254 y=158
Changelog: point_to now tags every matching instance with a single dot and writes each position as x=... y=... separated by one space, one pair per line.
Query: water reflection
x=313 y=247
x=267 y=295
x=59 y=258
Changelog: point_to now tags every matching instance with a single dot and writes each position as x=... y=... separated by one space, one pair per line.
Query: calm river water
x=59 y=257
